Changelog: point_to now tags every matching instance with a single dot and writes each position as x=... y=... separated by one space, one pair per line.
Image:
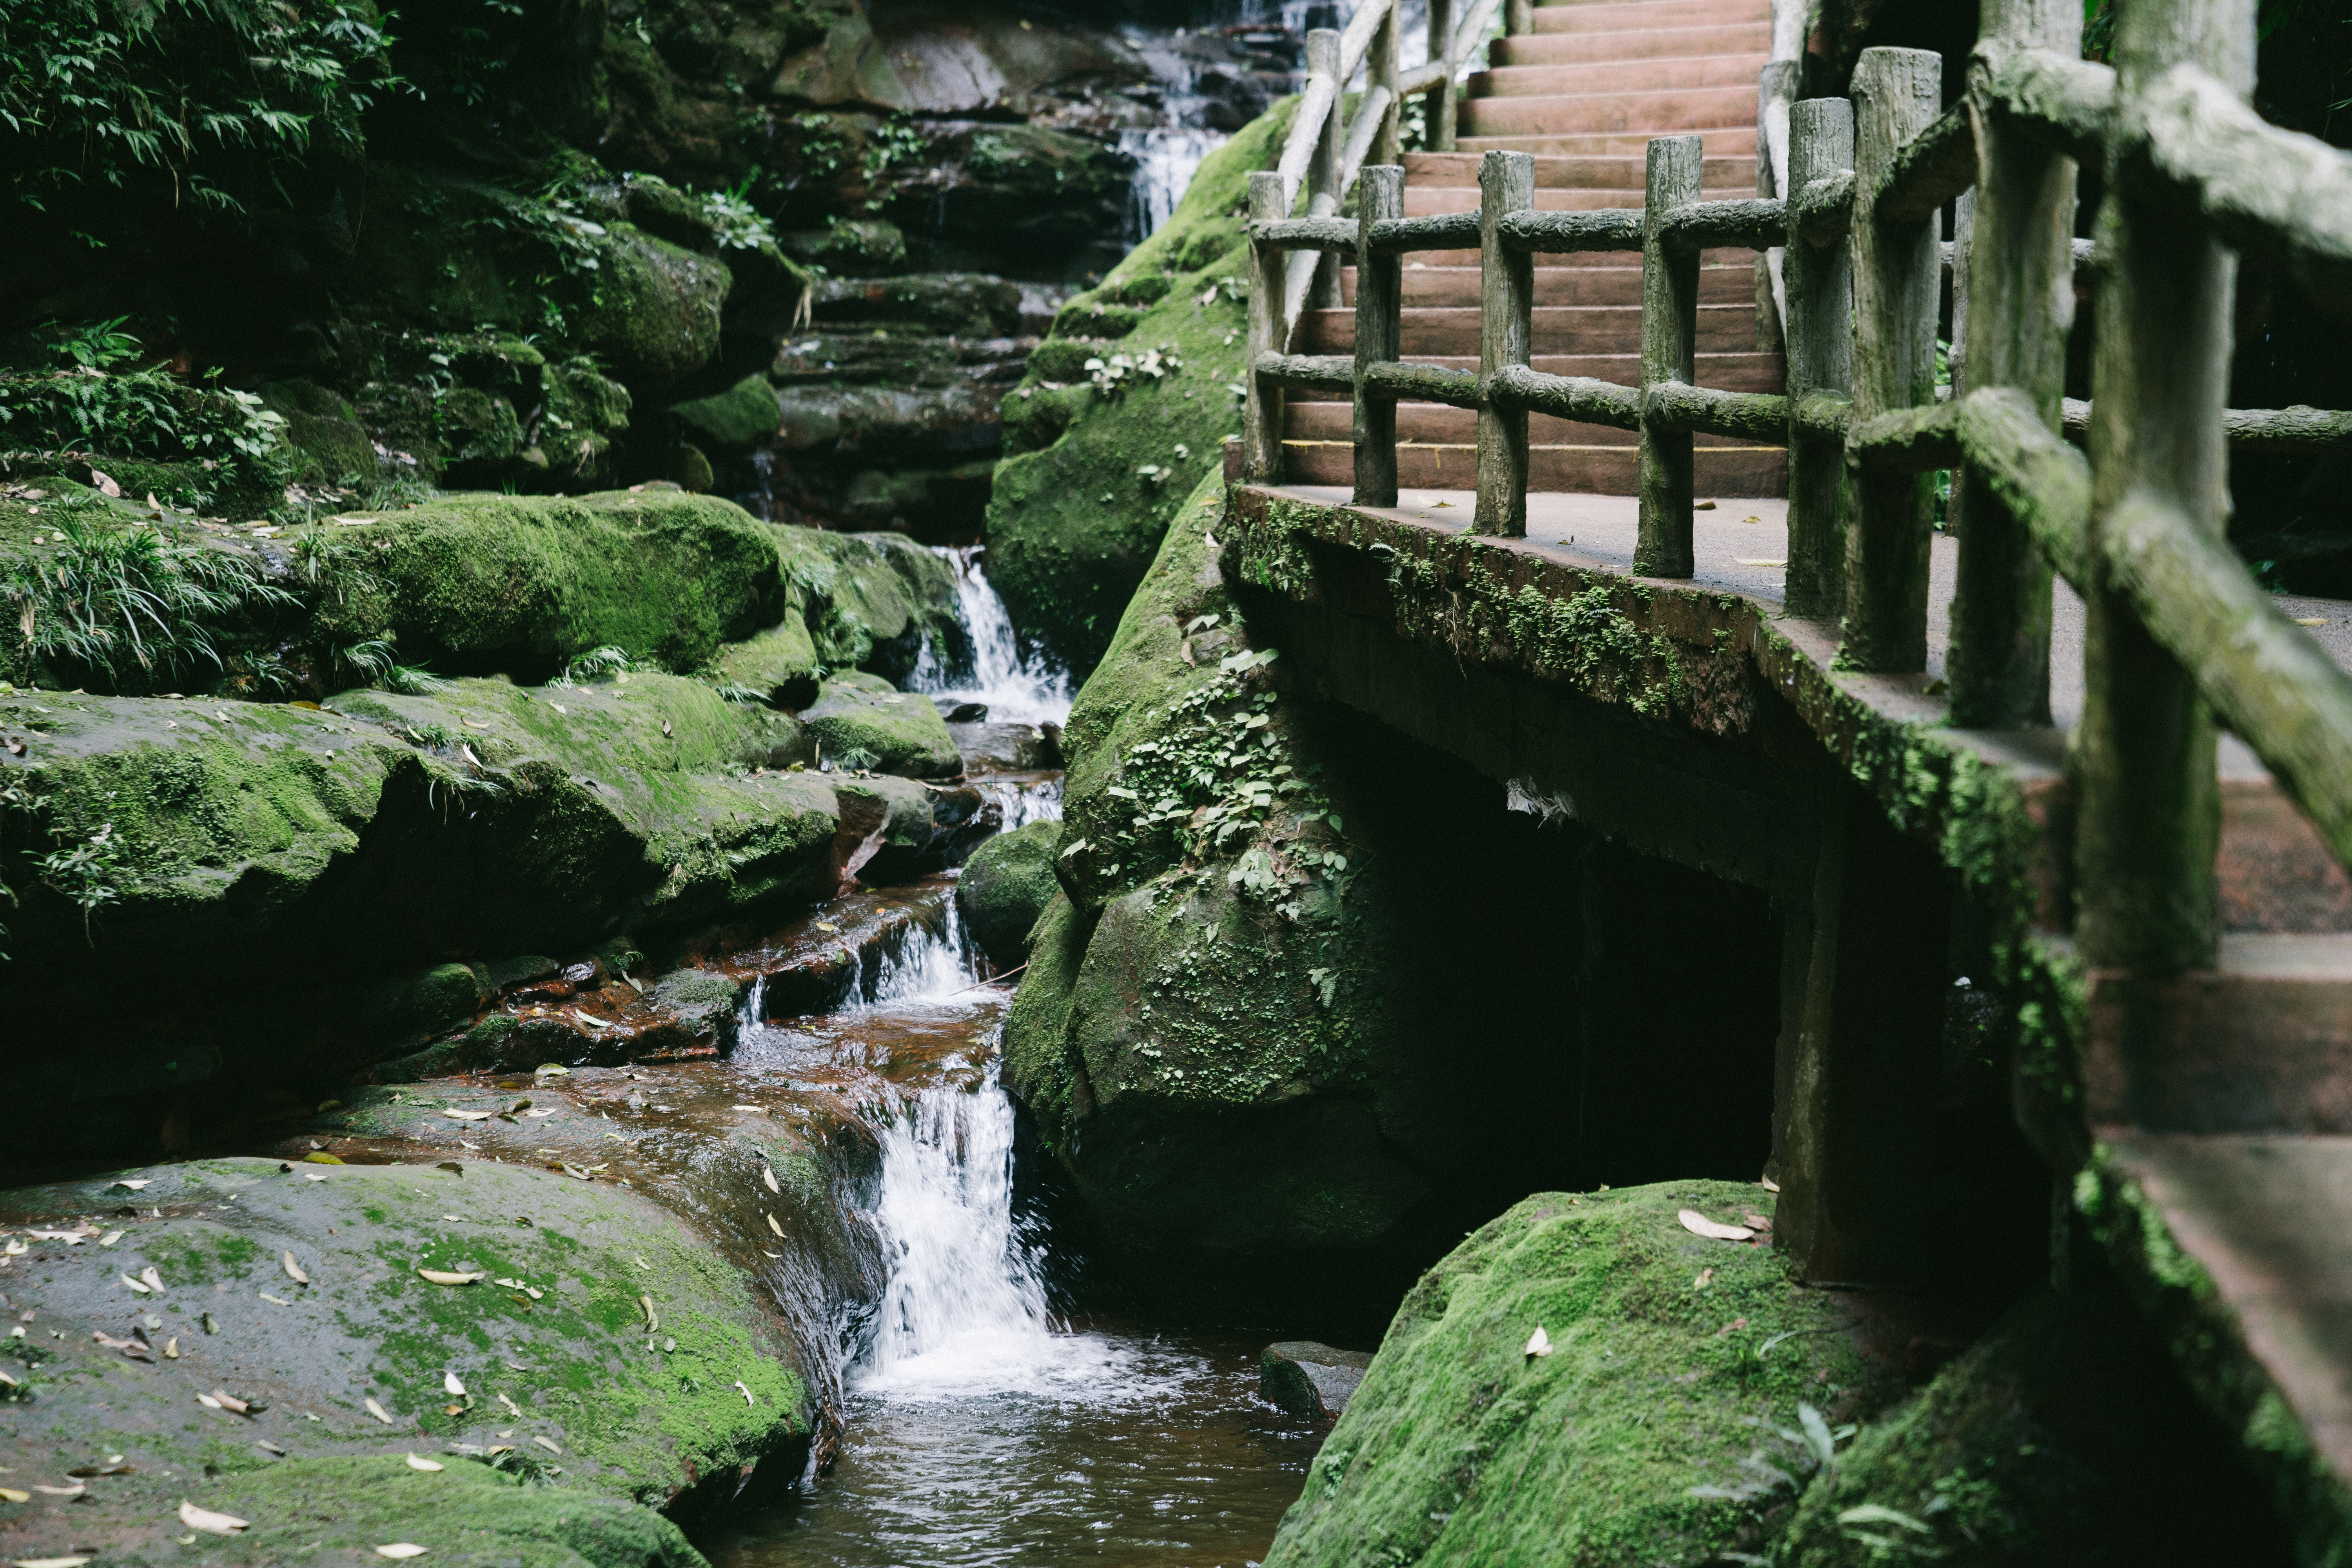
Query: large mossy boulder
x=2064 y=1438
x=1093 y=475
x=522 y=585
x=353 y=844
x=875 y=602
x=1660 y=1420
x=1006 y=888
x=595 y=1344
x=861 y=723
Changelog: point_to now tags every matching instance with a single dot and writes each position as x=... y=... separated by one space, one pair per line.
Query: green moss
x=1073 y=521
x=523 y=584
x=1660 y=1428
x=653 y=312
x=871 y=601
x=744 y=415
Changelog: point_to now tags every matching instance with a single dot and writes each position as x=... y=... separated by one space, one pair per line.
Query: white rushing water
x=1018 y=689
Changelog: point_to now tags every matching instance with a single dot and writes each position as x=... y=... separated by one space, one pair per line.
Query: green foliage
x=144 y=413
x=203 y=102
x=595 y=662
x=127 y=607
x=86 y=871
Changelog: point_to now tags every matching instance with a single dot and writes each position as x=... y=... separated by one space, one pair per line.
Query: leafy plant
x=85 y=872
x=128 y=606
x=100 y=346
x=595 y=662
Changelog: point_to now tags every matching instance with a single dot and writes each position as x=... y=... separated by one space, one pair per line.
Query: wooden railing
x=2177 y=630
x=1325 y=147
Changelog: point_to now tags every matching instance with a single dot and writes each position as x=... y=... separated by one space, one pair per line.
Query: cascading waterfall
x=1018 y=689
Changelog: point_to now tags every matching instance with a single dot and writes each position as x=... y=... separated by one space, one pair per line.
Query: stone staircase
x=1584 y=93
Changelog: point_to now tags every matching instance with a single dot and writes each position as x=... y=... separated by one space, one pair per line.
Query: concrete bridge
x=1979 y=771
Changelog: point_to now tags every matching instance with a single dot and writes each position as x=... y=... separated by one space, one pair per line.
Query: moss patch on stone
x=1005 y=886
x=1661 y=1427
x=1091 y=479
x=882 y=732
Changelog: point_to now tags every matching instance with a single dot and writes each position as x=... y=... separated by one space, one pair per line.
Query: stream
x=981 y=1425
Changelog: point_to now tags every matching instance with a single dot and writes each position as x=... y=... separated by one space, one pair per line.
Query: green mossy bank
x=631 y=1365
x=1663 y=1425
x=1092 y=476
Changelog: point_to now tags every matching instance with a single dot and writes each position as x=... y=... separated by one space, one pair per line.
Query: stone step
x=1579 y=260
x=1646 y=113
x=1457 y=287
x=1727 y=141
x=1671 y=73
x=1741 y=372
x=1421 y=201
x=1637 y=43
x=1738 y=471
x=1637 y=16
x=1557 y=330
x=1441 y=424
x=1613 y=172
x=2260 y=1043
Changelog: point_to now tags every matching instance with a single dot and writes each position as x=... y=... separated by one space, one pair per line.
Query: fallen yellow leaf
x=441 y=1277
x=1698 y=1224
x=416 y=1464
x=294 y=1271
x=203 y=1518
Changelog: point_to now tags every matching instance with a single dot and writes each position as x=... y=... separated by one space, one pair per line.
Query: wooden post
x=1519 y=18
x=1507 y=183
x=1262 y=422
x=1380 y=334
x=1956 y=357
x=1819 y=281
x=2149 y=805
x=1440 y=108
x=1776 y=84
x=1324 y=170
x=1897 y=271
x=1380 y=70
x=1662 y=546
x=2018 y=256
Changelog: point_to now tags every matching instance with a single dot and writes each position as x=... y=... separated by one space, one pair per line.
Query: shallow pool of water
x=1117 y=1447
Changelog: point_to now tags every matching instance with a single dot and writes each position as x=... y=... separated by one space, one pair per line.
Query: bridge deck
x=1741 y=544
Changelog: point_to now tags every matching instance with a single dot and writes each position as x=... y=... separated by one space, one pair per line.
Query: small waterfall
x=1024 y=800
x=1018 y=689
x=927 y=966
x=1166 y=158
x=965 y=1308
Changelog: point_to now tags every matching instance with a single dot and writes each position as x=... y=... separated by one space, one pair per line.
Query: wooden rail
x=2178 y=629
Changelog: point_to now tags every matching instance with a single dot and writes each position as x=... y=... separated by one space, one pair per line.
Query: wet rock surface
x=863 y=724
x=1309 y=1381
x=1005 y=888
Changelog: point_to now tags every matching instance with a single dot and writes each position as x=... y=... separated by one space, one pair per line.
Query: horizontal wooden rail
x=1747 y=415
x=1309 y=372
x=1907 y=440
x=2275 y=686
x=1438 y=231
x=1580 y=398
x=1822 y=210
x=1606 y=229
x=2266 y=191
x=1756 y=224
x=2043 y=481
x=1822 y=414
x=1933 y=167
x=1423 y=384
x=1307 y=234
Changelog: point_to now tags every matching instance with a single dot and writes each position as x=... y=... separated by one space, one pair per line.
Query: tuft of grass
x=125 y=608
x=595 y=662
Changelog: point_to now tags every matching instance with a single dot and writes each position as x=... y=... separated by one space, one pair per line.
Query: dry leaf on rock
x=204 y=1519
x=139 y=1285
x=74 y=1490
x=443 y=1277
x=400 y=1549
x=449 y=1384
x=154 y=1280
x=51 y=1561
x=1698 y=1224
x=1538 y=1343
x=10 y=1494
x=379 y=1412
x=416 y=1463
x=548 y=1443
x=768 y=1172
x=294 y=1271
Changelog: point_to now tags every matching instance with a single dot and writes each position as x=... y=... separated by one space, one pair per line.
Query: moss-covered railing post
x=1665 y=479
x=1325 y=173
x=1818 y=277
x=1441 y=109
x=1507 y=183
x=2145 y=754
x=1380 y=334
x=2021 y=302
x=1380 y=71
x=1262 y=421
x=1897 y=276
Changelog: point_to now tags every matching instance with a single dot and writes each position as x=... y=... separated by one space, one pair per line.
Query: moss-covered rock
x=1092 y=477
x=653 y=312
x=2064 y=1436
x=1662 y=1425
x=872 y=601
x=859 y=727
x=332 y=444
x=741 y=417
x=357 y=842
x=522 y=584
x=1005 y=888
x=780 y=664
x=622 y=1344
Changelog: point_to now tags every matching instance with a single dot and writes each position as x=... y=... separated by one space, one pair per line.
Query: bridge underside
x=1919 y=877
